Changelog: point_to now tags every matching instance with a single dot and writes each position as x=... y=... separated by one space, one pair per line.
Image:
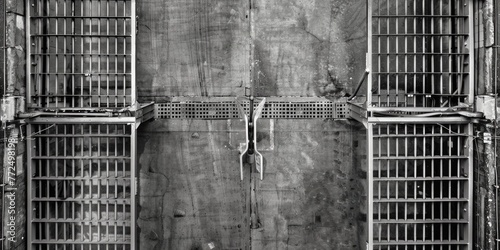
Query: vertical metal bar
x=369 y=135
x=406 y=58
x=424 y=57
x=432 y=64
x=99 y=54
x=29 y=203
x=50 y=40
x=133 y=34
x=28 y=55
x=116 y=56
x=470 y=169
x=389 y=55
x=65 y=50
x=39 y=75
x=369 y=18
x=415 y=98
x=471 y=61
x=56 y=19
x=379 y=50
x=91 y=50
x=397 y=55
x=73 y=59
x=441 y=51
x=107 y=53
x=450 y=55
x=82 y=49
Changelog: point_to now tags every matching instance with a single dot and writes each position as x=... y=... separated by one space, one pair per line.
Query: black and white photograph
x=250 y=124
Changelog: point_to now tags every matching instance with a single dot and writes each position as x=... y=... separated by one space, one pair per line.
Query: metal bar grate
x=420 y=186
x=81 y=53
x=81 y=182
x=421 y=54
x=272 y=110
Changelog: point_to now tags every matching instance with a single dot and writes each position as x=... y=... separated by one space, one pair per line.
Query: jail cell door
x=420 y=54
x=81 y=54
x=420 y=186
x=81 y=186
x=419 y=164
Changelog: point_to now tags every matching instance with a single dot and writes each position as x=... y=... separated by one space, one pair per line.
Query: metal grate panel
x=420 y=192
x=81 y=186
x=420 y=53
x=81 y=53
x=272 y=110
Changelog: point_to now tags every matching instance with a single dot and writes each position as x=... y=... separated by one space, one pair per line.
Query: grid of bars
x=421 y=186
x=80 y=186
x=421 y=53
x=272 y=110
x=81 y=53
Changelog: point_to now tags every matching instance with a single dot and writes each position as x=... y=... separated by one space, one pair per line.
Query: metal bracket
x=250 y=149
x=486 y=104
x=259 y=160
x=11 y=107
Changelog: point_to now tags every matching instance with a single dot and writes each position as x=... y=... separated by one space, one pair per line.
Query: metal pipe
x=36 y=114
x=360 y=83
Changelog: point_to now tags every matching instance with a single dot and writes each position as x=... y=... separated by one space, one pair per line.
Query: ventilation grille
x=81 y=178
x=272 y=110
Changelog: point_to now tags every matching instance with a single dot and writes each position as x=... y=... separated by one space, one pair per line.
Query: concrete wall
x=15 y=75
x=190 y=194
x=202 y=48
x=311 y=197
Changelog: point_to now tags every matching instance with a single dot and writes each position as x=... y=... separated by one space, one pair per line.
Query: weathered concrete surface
x=202 y=48
x=192 y=48
x=15 y=42
x=484 y=190
x=309 y=48
x=190 y=191
x=311 y=197
x=15 y=75
x=2 y=51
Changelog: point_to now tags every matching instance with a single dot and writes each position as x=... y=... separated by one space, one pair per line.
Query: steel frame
x=88 y=68
x=441 y=43
x=54 y=145
x=405 y=195
x=89 y=62
x=396 y=51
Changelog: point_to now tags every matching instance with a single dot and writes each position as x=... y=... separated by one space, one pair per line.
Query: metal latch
x=250 y=151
